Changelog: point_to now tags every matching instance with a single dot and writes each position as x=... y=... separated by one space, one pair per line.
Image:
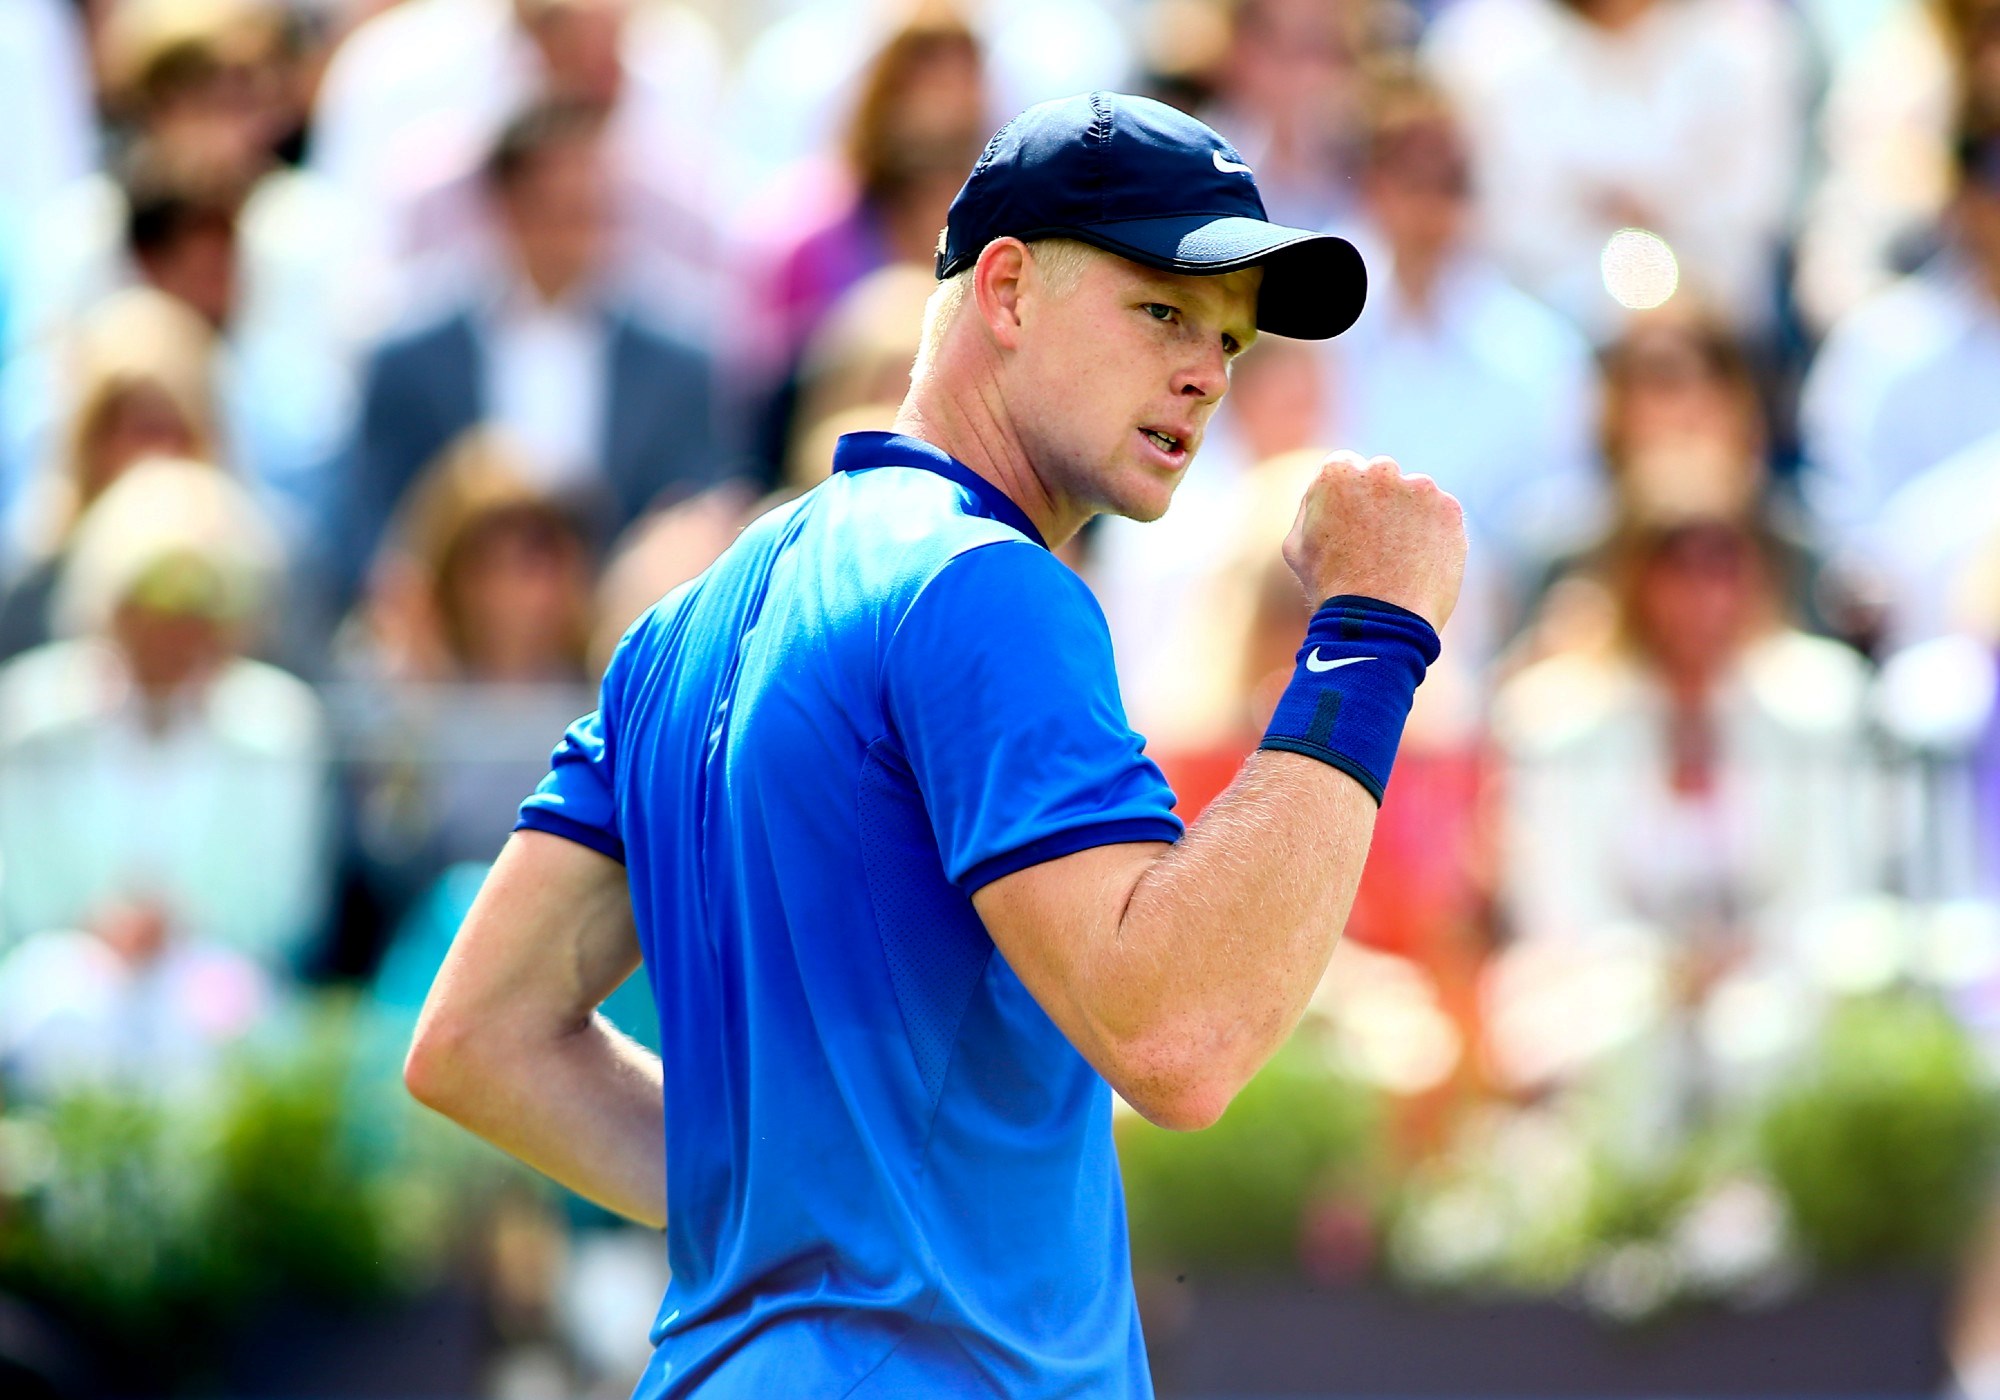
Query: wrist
x=1357 y=674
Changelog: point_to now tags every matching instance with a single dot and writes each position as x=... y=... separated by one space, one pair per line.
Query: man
x=608 y=408
x=905 y=884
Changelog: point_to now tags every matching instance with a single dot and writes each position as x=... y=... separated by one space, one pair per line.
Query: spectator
x=858 y=361
x=201 y=84
x=201 y=208
x=608 y=410
x=145 y=764
x=1691 y=779
x=1291 y=100
x=919 y=119
x=141 y=389
x=468 y=653
x=1677 y=379
x=417 y=95
x=1897 y=93
x=1907 y=378
x=803 y=72
x=1456 y=373
x=487 y=579
x=1682 y=117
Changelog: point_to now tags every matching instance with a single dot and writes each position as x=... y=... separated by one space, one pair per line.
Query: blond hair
x=1060 y=261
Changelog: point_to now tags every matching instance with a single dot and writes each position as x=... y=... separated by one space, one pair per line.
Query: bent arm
x=510 y=1044
x=1178 y=970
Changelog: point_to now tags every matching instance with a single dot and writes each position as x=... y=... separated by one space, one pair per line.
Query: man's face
x=1114 y=379
x=556 y=213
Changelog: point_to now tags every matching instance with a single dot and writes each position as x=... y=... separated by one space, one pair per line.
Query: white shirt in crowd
x=1688 y=121
x=1904 y=381
x=546 y=384
x=223 y=816
x=51 y=121
x=1935 y=539
x=1599 y=844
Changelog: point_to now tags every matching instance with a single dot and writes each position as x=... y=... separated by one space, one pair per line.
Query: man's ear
x=997 y=282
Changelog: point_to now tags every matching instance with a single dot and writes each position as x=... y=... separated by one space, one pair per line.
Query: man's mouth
x=1171 y=445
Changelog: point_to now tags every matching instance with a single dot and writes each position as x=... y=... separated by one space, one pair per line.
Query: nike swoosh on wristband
x=1313 y=663
x=1229 y=167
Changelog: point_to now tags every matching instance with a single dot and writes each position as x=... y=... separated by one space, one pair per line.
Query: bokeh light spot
x=1640 y=270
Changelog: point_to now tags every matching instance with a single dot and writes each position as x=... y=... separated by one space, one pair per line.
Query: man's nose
x=1207 y=379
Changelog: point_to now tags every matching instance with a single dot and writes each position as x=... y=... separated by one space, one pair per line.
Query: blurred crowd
x=366 y=366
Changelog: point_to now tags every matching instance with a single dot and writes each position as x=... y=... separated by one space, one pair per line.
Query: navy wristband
x=1358 y=671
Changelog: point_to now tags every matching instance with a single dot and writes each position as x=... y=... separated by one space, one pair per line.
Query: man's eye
x=1159 y=311
x=1230 y=345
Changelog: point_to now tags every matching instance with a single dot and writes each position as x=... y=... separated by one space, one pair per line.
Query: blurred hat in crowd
x=173 y=536
x=153 y=49
x=139 y=364
x=1137 y=178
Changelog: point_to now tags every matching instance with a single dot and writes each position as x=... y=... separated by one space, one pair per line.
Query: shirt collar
x=860 y=451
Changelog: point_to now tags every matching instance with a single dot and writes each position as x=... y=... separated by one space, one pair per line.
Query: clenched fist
x=1364 y=527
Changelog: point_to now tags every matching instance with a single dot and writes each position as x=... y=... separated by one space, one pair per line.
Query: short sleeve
x=1000 y=687
x=576 y=799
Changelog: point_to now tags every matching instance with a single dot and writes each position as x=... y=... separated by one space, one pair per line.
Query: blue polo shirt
x=888 y=1173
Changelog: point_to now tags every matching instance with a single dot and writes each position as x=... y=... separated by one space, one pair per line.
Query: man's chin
x=1147 y=496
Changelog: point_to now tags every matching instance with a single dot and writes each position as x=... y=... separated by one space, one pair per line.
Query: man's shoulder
x=910 y=524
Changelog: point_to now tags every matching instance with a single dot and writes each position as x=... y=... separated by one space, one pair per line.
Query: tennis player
x=911 y=898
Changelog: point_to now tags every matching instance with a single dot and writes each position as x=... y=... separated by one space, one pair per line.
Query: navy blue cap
x=1138 y=178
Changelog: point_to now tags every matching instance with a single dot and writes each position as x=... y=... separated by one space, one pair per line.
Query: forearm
x=584 y=1109
x=510 y=1044
x=1227 y=934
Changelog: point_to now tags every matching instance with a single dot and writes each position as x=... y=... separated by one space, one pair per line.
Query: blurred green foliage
x=1884 y=1146
x=166 y=1223
x=1235 y=1196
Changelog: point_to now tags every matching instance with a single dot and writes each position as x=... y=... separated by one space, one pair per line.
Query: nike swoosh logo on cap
x=1313 y=663
x=1228 y=167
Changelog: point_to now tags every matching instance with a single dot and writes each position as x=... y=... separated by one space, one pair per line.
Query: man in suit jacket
x=612 y=411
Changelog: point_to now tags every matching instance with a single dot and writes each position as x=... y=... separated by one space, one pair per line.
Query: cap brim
x=1314 y=283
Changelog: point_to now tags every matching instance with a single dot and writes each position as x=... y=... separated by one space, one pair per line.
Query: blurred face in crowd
x=554 y=209
x=1671 y=390
x=1418 y=185
x=1293 y=64
x=1696 y=598
x=918 y=127
x=579 y=42
x=1112 y=381
x=517 y=595
x=1276 y=398
x=138 y=421
x=1612 y=14
x=197 y=266
x=170 y=628
x=223 y=110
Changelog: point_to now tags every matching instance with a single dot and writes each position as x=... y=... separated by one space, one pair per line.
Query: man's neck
x=972 y=427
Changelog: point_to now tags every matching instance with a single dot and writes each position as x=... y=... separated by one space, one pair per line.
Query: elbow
x=1175 y=1091
x=434 y=1070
